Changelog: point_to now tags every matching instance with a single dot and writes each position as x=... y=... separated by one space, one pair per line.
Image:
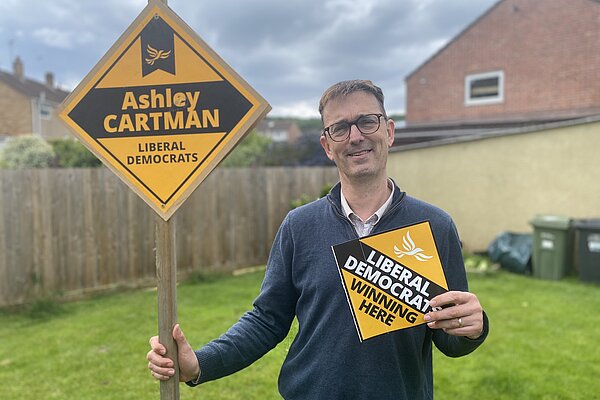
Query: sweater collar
x=335 y=196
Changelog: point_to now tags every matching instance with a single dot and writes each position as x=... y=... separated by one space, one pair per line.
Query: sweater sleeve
x=261 y=329
x=456 y=277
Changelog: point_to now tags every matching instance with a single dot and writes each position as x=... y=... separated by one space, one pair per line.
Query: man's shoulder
x=310 y=210
x=426 y=211
x=307 y=216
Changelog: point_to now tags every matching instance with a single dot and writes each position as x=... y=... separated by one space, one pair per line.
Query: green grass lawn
x=543 y=344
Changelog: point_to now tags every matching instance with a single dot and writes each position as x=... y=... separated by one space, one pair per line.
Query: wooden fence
x=73 y=231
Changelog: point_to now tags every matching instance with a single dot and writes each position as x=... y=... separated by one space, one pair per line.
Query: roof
x=461 y=33
x=429 y=136
x=33 y=89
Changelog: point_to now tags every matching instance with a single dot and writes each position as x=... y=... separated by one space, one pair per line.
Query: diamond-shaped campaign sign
x=161 y=109
x=389 y=278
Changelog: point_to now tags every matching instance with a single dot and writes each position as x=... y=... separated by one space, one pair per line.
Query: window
x=46 y=111
x=487 y=88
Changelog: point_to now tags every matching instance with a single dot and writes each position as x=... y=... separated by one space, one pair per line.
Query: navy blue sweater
x=326 y=359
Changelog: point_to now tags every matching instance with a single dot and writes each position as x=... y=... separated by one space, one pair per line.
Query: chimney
x=50 y=80
x=18 y=68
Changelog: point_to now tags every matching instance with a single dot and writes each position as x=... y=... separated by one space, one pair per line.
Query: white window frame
x=488 y=100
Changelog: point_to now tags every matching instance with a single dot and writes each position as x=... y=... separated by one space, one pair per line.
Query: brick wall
x=548 y=50
x=15 y=112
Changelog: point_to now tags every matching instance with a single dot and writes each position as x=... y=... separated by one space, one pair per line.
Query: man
x=327 y=359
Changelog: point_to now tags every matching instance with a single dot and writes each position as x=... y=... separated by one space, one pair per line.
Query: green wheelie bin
x=552 y=256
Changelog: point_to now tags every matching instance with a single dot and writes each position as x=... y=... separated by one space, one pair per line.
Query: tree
x=26 y=151
x=249 y=152
x=306 y=151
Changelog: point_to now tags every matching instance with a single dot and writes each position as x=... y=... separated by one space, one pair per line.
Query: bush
x=26 y=151
x=70 y=153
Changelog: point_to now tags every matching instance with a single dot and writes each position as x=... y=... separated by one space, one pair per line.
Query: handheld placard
x=389 y=278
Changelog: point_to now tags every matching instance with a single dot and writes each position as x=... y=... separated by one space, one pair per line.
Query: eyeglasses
x=366 y=124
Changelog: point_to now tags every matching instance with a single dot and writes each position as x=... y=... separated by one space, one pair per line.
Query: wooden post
x=166 y=273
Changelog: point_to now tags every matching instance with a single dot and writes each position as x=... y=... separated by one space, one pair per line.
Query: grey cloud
x=288 y=50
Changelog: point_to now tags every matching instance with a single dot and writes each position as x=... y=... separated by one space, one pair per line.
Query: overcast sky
x=288 y=50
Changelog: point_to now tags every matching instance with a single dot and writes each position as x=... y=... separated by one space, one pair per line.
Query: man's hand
x=461 y=314
x=161 y=367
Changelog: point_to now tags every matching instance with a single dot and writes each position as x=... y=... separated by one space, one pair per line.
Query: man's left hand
x=461 y=314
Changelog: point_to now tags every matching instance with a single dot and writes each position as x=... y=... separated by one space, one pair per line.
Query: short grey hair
x=344 y=88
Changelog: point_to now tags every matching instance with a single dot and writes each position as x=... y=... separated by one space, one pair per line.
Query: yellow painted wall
x=499 y=184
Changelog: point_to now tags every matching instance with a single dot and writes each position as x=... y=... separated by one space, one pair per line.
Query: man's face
x=359 y=156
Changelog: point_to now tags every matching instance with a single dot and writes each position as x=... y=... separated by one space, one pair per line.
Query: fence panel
x=73 y=231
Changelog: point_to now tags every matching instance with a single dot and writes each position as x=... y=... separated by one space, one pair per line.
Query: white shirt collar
x=348 y=211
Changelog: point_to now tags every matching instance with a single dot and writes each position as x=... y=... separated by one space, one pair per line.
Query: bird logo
x=156 y=54
x=410 y=249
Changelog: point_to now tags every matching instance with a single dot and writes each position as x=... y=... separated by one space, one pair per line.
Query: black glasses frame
x=355 y=123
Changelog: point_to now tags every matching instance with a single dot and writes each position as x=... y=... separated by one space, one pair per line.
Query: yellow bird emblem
x=156 y=54
x=410 y=249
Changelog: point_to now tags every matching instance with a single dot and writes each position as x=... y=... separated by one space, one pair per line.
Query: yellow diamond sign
x=162 y=109
x=389 y=278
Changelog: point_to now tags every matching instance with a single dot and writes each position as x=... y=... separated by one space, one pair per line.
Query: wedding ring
x=460 y=324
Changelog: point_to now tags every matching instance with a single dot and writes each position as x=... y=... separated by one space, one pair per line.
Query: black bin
x=587 y=249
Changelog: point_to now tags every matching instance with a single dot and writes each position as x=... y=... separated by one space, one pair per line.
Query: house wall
x=550 y=54
x=294 y=133
x=15 y=112
x=497 y=184
x=54 y=127
x=280 y=131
